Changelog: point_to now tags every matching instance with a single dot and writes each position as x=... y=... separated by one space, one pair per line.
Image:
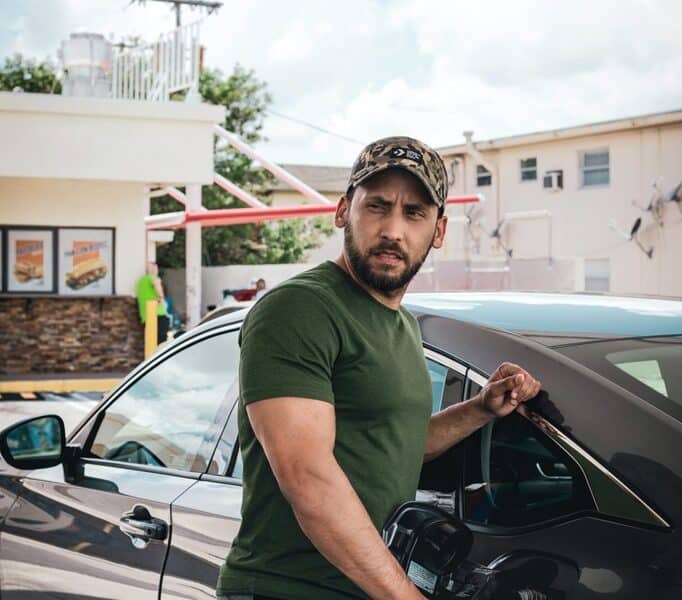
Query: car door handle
x=138 y=523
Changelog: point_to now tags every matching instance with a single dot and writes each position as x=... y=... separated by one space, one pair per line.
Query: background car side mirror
x=35 y=443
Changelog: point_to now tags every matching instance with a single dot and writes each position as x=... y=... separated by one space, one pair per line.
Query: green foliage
x=29 y=75
x=245 y=99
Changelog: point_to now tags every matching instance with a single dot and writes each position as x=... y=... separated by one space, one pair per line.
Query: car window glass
x=474 y=388
x=647 y=367
x=454 y=388
x=220 y=463
x=238 y=469
x=437 y=373
x=516 y=475
x=644 y=366
x=172 y=416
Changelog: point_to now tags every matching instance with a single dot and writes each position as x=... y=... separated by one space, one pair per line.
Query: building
x=331 y=182
x=75 y=174
x=575 y=194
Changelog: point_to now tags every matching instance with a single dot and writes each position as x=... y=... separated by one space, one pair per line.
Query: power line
x=316 y=127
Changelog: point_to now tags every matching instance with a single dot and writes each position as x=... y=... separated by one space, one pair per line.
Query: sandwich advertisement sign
x=30 y=260
x=85 y=262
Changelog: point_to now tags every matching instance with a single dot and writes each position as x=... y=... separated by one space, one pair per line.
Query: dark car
x=144 y=500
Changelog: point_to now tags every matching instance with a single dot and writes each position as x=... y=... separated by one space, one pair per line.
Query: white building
x=585 y=181
x=75 y=174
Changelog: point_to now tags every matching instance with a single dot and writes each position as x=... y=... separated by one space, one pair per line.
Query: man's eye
x=415 y=214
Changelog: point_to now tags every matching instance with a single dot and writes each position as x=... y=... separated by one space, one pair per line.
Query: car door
x=104 y=530
x=206 y=517
x=206 y=520
x=529 y=493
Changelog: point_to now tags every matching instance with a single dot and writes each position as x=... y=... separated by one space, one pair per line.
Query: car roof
x=554 y=318
x=550 y=318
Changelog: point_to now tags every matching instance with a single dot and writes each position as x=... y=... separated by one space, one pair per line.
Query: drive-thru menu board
x=71 y=261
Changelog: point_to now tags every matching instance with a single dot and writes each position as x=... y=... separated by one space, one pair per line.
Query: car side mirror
x=35 y=443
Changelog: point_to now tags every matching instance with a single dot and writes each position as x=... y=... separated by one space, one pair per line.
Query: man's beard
x=381 y=282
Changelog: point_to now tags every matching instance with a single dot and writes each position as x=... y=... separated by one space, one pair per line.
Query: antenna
x=209 y=5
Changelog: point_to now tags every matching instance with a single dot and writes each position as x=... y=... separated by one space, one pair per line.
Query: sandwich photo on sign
x=88 y=266
x=85 y=261
x=29 y=260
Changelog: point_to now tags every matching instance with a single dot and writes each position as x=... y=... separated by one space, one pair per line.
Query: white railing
x=155 y=71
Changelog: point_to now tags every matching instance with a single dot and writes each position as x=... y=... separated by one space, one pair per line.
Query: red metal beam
x=238 y=216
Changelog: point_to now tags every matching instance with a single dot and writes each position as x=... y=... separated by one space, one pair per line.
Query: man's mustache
x=389 y=247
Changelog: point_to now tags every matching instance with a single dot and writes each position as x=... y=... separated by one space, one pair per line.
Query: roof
x=601 y=127
x=558 y=314
x=322 y=179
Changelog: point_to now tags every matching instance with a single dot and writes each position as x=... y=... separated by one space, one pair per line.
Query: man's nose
x=393 y=226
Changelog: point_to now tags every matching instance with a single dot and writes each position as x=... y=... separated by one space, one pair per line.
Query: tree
x=246 y=99
x=19 y=73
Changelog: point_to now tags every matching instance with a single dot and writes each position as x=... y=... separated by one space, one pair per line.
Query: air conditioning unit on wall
x=553 y=180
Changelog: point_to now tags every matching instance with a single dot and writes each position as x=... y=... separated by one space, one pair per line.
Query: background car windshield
x=648 y=367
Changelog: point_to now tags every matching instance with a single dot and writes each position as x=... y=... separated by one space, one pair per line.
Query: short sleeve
x=289 y=344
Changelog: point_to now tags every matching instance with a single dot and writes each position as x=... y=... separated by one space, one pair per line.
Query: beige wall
x=55 y=203
x=580 y=216
x=103 y=139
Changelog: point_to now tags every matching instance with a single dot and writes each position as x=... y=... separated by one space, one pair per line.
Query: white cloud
x=429 y=69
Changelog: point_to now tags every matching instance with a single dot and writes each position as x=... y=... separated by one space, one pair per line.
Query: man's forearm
x=332 y=516
x=450 y=426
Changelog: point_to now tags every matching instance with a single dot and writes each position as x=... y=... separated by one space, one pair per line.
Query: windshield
x=648 y=367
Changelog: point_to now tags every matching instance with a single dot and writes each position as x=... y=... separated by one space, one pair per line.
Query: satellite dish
x=675 y=195
x=635 y=227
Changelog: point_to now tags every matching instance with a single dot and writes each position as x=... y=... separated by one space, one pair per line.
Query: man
x=334 y=413
x=261 y=288
x=149 y=287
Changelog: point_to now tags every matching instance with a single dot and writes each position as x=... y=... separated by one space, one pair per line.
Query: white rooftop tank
x=87 y=63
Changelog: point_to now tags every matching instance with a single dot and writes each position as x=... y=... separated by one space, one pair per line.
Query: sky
x=365 y=69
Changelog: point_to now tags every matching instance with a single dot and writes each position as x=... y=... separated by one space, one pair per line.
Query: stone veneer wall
x=63 y=335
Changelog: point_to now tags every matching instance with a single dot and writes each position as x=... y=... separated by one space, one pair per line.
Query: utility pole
x=210 y=6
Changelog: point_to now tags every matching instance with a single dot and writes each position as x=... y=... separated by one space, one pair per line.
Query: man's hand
x=508 y=386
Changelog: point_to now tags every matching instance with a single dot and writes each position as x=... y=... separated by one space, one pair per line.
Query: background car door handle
x=138 y=523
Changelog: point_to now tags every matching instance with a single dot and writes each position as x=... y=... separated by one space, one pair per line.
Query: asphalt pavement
x=71 y=407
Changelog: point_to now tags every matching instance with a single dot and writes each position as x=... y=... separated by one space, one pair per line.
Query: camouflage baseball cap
x=403 y=153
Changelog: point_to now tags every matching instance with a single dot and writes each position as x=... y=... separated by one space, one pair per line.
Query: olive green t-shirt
x=319 y=335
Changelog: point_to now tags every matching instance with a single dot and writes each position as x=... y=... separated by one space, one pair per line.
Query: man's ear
x=342 y=208
x=441 y=226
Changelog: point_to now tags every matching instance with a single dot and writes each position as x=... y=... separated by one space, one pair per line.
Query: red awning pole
x=238 y=216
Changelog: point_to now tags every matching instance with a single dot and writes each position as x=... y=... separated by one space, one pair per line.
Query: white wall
x=56 y=136
x=215 y=279
x=66 y=203
x=581 y=215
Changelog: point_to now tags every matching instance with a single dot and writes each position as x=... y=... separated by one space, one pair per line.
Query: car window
x=647 y=367
x=172 y=416
x=238 y=468
x=437 y=374
x=447 y=385
x=224 y=453
x=440 y=474
x=516 y=475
